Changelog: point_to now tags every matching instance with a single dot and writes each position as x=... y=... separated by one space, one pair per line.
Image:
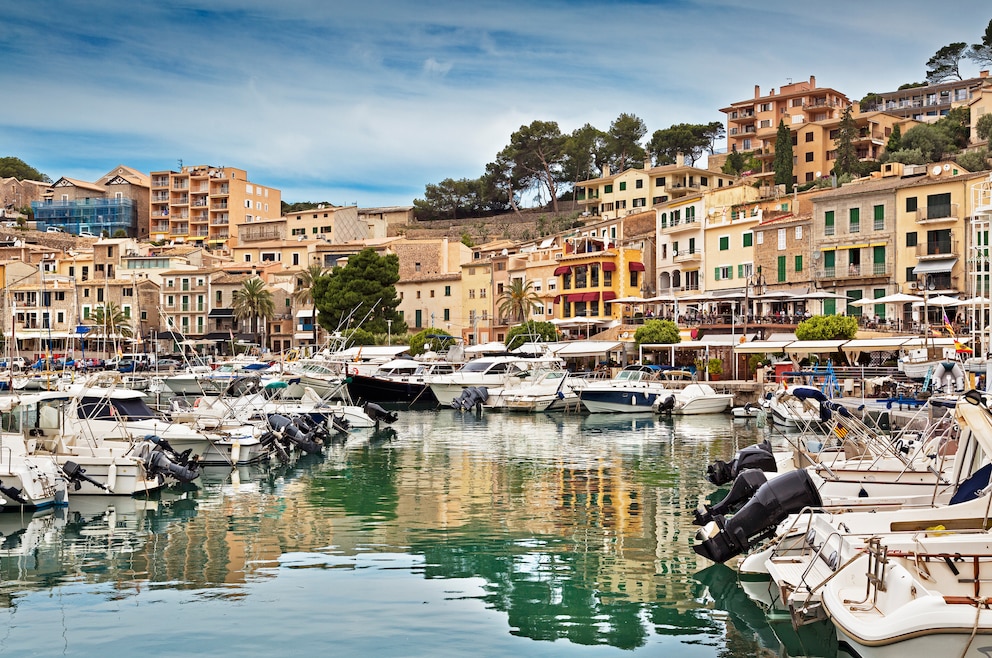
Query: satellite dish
x=947 y=167
x=936 y=170
x=819 y=174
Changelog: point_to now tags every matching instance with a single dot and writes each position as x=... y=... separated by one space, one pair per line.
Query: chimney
x=647 y=163
x=757 y=91
x=983 y=74
x=606 y=170
x=679 y=159
x=812 y=81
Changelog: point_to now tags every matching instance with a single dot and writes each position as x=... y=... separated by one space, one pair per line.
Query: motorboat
x=197 y=380
x=795 y=407
x=634 y=389
x=695 y=398
x=27 y=481
x=490 y=372
x=552 y=390
x=399 y=381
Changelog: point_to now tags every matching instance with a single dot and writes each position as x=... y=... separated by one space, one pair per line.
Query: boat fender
x=975 y=396
x=235 y=451
x=112 y=477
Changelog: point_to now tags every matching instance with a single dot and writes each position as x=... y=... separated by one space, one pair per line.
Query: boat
x=399 y=381
x=490 y=372
x=552 y=390
x=746 y=411
x=795 y=407
x=634 y=389
x=695 y=398
x=27 y=481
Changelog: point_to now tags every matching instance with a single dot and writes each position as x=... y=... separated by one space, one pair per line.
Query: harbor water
x=445 y=534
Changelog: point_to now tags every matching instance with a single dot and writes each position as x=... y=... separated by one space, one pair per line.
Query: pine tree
x=782 y=164
x=847 y=155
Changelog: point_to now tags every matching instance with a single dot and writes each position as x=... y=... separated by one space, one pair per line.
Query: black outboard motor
x=159 y=463
x=758 y=456
x=378 y=414
x=724 y=538
x=182 y=458
x=340 y=424
x=667 y=405
x=746 y=484
x=470 y=397
x=73 y=472
x=291 y=433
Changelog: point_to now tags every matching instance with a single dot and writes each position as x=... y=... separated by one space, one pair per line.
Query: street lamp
x=389 y=332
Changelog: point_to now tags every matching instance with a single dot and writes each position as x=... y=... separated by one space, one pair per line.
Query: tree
x=664 y=332
x=530 y=331
x=303 y=294
x=503 y=180
x=518 y=300
x=537 y=153
x=432 y=339
x=945 y=64
x=895 y=139
x=782 y=163
x=689 y=139
x=981 y=53
x=977 y=160
x=362 y=292
x=109 y=321
x=847 y=156
x=584 y=153
x=827 y=327
x=931 y=141
x=956 y=124
x=11 y=167
x=623 y=142
x=253 y=302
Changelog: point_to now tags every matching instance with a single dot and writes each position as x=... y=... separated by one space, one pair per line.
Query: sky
x=369 y=101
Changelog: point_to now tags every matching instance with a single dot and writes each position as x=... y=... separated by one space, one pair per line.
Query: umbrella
x=865 y=301
x=823 y=294
x=897 y=298
x=975 y=301
x=939 y=300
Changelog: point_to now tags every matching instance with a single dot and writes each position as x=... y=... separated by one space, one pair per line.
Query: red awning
x=562 y=269
x=609 y=266
x=634 y=266
x=591 y=297
x=576 y=297
x=609 y=295
x=557 y=299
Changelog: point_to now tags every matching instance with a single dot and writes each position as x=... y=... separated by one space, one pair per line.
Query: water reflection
x=576 y=527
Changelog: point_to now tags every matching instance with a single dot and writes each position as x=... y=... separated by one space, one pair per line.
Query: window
x=799 y=233
x=911 y=239
x=639 y=184
x=607 y=189
x=220 y=297
x=432 y=294
x=704 y=181
x=828 y=222
x=761 y=237
x=447 y=291
x=809 y=157
x=781 y=239
x=799 y=263
x=99 y=294
x=724 y=242
x=879 y=212
x=748 y=239
x=781 y=269
x=911 y=204
x=855 y=220
x=482 y=293
x=724 y=272
x=623 y=185
x=660 y=182
x=809 y=137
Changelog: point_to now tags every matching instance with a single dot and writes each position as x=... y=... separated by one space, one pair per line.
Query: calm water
x=496 y=534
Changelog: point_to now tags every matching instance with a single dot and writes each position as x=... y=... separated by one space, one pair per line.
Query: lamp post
x=389 y=332
x=755 y=284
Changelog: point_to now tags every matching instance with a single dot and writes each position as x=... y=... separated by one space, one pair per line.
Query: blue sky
x=370 y=101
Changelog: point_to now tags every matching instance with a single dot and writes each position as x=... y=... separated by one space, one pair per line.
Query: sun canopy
x=588 y=348
x=763 y=346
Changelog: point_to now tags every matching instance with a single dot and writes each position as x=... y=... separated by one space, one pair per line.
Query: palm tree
x=304 y=291
x=253 y=301
x=109 y=321
x=519 y=300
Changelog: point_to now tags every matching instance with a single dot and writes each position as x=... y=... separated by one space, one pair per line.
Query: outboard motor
x=340 y=424
x=73 y=472
x=181 y=458
x=758 y=456
x=746 y=484
x=667 y=405
x=722 y=539
x=271 y=439
x=158 y=463
x=291 y=433
x=470 y=397
x=377 y=413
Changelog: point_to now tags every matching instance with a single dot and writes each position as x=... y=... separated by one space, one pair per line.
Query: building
x=113 y=206
x=635 y=190
x=929 y=102
x=205 y=205
x=430 y=283
x=18 y=194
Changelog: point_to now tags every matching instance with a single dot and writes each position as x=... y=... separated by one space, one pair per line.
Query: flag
x=231 y=331
x=961 y=347
x=947 y=325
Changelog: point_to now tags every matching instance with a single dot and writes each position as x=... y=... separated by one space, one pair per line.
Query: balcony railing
x=944 y=211
x=937 y=249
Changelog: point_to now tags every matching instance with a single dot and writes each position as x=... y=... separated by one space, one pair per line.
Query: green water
x=451 y=534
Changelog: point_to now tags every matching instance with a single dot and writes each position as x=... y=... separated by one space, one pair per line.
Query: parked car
x=54 y=229
x=165 y=364
x=127 y=365
x=86 y=234
x=90 y=364
x=17 y=363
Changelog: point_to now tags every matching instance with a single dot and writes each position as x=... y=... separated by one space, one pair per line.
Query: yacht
x=634 y=389
x=496 y=372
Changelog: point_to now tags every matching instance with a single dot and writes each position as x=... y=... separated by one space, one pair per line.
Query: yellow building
x=430 y=283
x=204 y=205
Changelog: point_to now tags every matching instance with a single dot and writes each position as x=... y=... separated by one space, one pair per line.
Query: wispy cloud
x=371 y=101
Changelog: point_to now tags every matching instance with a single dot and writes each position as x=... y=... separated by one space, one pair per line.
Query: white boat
x=27 y=481
x=490 y=372
x=696 y=398
x=795 y=407
x=552 y=390
x=403 y=381
x=635 y=389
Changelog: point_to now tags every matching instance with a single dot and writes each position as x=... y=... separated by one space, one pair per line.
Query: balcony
x=680 y=226
x=741 y=115
x=160 y=197
x=180 y=185
x=160 y=181
x=221 y=190
x=937 y=250
x=218 y=205
x=688 y=255
x=856 y=271
x=939 y=213
x=160 y=227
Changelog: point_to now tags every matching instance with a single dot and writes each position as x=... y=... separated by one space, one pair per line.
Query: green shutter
x=781 y=269
x=829 y=258
x=830 y=307
x=828 y=218
x=748 y=239
x=740 y=271
x=799 y=263
x=879 y=213
x=724 y=243
x=716 y=274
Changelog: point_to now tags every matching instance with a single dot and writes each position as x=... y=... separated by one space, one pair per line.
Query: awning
x=562 y=269
x=169 y=335
x=762 y=347
x=881 y=344
x=814 y=346
x=557 y=299
x=588 y=348
x=609 y=295
x=217 y=336
x=853 y=246
x=305 y=313
x=609 y=266
x=304 y=335
x=634 y=266
x=931 y=266
x=590 y=297
x=221 y=313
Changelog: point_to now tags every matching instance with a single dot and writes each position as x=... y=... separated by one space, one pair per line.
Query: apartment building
x=205 y=205
x=813 y=115
x=929 y=102
x=329 y=223
x=114 y=205
x=16 y=194
x=612 y=196
x=430 y=286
